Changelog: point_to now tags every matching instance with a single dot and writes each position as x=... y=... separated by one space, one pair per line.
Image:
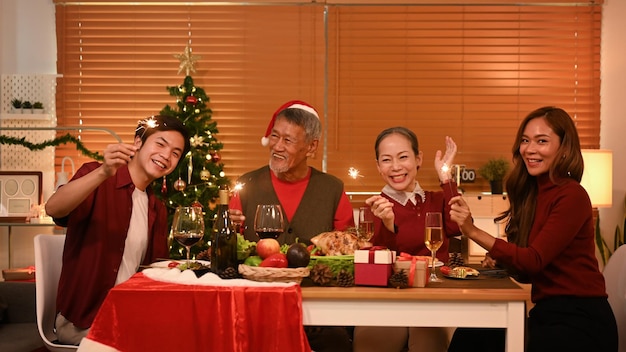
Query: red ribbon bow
x=373 y=249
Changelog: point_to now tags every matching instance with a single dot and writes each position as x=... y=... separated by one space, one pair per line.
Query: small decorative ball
x=215 y=157
x=164 y=186
x=180 y=185
x=205 y=175
x=196 y=204
x=191 y=100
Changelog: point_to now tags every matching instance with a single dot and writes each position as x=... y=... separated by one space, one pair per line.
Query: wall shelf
x=37 y=117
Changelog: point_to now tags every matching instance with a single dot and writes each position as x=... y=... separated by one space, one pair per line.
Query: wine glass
x=268 y=221
x=366 y=223
x=433 y=238
x=188 y=227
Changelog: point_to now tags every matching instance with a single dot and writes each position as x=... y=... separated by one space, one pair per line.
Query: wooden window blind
x=471 y=72
x=117 y=61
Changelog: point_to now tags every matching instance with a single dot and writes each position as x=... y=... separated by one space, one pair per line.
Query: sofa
x=18 y=317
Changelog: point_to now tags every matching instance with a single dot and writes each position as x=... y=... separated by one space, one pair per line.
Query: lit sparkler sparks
x=238 y=187
x=147 y=123
x=354 y=173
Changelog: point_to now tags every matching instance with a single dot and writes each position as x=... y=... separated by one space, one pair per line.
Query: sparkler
x=354 y=173
x=145 y=124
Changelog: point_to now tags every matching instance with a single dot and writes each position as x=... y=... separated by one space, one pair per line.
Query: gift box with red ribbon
x=373 y=266
x=415 y=267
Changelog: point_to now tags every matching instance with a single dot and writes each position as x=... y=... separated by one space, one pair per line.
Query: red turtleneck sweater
x=560 y=258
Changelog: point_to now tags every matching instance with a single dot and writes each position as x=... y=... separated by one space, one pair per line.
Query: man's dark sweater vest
x=315 y=213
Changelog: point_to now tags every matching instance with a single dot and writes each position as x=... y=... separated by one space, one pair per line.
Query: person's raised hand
x=443 y=164
x=383 y=209
x=116 y=156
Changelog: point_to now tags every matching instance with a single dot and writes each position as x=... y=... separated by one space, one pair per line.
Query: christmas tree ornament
x=197 y=141
x=191 y=100
x=215 y=157
x=180 y=185
x=190 y=168
x=196 y=204
x=164 y=186
x=187 y=61
x=205 y=175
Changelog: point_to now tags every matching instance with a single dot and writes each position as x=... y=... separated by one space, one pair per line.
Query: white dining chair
x=48 y=255
x=615 y=277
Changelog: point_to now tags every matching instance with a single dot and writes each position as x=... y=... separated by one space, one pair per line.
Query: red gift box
x=373 y=266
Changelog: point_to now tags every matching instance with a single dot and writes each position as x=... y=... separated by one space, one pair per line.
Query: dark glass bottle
x=224 y=239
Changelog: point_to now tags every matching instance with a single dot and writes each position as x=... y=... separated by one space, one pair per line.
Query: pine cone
x=399 y=279
x=321 y=275
x=229 y=273
x=456 y=259
x=204 y=255
x=345 y=278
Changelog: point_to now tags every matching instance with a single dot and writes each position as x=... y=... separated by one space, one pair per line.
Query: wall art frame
x=19 y=191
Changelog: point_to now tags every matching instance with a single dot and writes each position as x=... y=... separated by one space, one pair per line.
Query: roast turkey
x=338 y=243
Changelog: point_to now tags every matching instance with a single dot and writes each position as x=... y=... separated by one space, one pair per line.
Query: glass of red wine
x=188 y=227
x=269 y=221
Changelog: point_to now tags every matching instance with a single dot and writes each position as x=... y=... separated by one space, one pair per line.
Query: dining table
x=486 y=301
x=148 y=312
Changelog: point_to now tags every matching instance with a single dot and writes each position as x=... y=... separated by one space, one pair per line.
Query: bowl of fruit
x=276 y=263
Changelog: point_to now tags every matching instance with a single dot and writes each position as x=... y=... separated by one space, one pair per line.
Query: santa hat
x=294 y=104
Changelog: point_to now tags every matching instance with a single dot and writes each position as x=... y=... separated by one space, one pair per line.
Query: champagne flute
x=269 y=221
x=188 y=227
x=433 y=238
x=366 y=223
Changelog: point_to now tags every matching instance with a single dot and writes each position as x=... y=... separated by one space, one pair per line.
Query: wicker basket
x=257 y=273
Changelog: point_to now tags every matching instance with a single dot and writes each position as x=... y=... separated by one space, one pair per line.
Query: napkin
x=188 y=277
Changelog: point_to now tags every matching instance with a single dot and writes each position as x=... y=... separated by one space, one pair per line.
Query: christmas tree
x=199 y=175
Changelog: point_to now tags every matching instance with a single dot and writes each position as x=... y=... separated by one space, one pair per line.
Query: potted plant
x=37 y=107
x=494 y=171
x=16 y=106
x=27 y=107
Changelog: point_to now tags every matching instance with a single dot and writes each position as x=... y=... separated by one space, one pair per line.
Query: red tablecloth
x=146 y=315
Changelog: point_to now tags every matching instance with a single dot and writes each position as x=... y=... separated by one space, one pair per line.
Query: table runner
x=147 y=315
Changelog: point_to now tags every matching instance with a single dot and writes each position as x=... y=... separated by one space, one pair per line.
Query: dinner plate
x=438 y=263
x=468 y=277
x=166 y=263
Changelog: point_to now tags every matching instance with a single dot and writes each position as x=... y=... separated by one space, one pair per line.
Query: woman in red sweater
x=399 y=225
x=550 y=232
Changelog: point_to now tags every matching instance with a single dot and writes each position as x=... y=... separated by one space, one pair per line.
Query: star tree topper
x=187 y=61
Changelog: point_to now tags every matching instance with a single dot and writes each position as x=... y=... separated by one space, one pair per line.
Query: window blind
x=471 y=72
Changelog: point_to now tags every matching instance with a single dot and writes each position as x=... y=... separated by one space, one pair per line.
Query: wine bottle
x=224 y=239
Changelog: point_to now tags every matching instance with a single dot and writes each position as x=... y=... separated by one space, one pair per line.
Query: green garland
x=68 y=138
